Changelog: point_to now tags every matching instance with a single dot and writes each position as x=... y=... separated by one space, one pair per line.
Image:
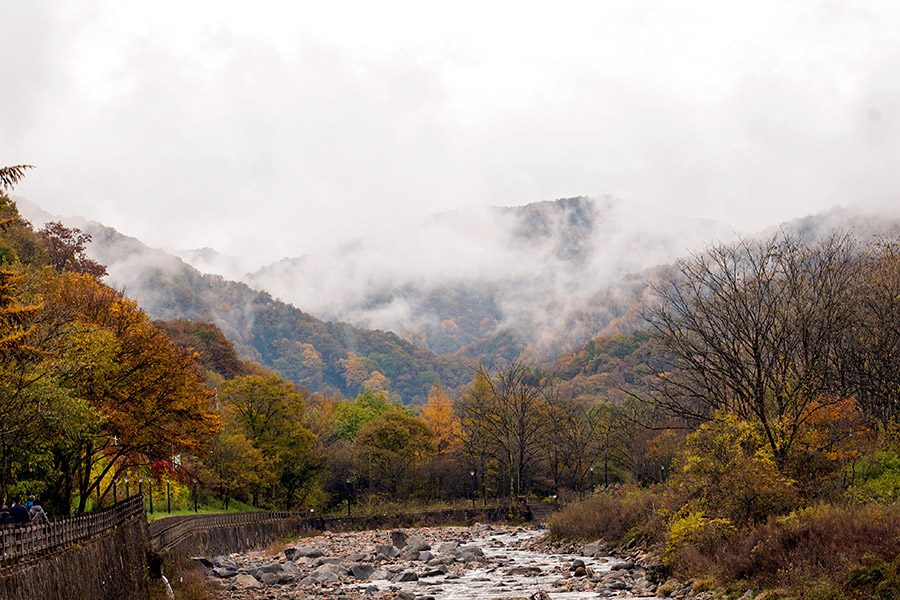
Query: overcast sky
x=268 y=128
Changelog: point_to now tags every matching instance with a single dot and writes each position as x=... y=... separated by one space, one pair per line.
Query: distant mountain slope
x=453 y=281
x=297 y=345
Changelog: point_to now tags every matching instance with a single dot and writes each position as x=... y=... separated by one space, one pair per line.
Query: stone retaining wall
x=110 y=566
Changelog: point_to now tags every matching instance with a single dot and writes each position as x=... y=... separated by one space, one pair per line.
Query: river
x=448 y=563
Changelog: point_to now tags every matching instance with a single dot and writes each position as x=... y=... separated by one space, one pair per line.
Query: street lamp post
x=168 y=496
x=127 y=495
x=592 y=479
x=348 y=497
x=472 y=473
x=115 y=496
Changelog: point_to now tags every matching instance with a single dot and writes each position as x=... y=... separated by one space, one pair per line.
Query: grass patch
x=213 y=508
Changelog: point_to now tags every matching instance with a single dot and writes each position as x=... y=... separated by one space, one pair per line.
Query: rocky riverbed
x=438 y=563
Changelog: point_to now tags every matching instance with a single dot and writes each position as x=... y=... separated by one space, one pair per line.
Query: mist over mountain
x=405 y=309
x=453 y=279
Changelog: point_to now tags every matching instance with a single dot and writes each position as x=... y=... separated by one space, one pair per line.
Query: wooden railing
x=22 y=541
x=166 y=532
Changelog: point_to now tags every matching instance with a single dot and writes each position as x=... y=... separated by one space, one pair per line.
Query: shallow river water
x=505 y=552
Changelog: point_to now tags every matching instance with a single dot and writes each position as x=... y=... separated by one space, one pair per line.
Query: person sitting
x=19 y=513
x=5 y=517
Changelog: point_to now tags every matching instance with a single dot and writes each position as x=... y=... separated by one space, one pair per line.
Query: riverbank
x=440 y=563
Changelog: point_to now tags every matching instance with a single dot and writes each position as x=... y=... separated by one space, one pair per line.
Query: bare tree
x=504 y=413
x=757 y=329
x=873 y=347
x=572 y=445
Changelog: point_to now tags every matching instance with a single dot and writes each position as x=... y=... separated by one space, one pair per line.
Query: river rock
x=325 y=577
x=224 y=572
x=362 y=571
x=416 y=543
x=305 y=552
x=405 y=576
x=524 y=571
x=387 y=550
x=398 y=538
x=358 y=557
x=246 y=580
x=270 y=568
x=330 y=568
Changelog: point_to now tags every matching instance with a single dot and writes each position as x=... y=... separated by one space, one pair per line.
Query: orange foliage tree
x=147 y=394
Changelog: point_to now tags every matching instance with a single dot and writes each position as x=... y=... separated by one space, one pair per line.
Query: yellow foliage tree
x=438 y=413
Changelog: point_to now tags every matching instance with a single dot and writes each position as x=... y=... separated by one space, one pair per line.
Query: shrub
x=819 y=553
x=614 y=517
x=728 y=471
x=879 y=479
x=697 y=534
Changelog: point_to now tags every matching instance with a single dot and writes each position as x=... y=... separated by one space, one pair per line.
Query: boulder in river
x=246 y=580
x=362 y=571
x=303 y=551
x=398 y=538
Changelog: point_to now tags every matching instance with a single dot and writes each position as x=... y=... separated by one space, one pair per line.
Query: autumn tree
x=267 y=411
x=390 y=449
x=148 y=395
x=446 y=470
x=215 y=351
x=438 y=414
x=239 y=467
x=67 y=250
x=21 y=346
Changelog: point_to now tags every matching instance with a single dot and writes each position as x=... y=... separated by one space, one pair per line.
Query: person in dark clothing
x=37 y=511
x=19 y=513
x=5 y=517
